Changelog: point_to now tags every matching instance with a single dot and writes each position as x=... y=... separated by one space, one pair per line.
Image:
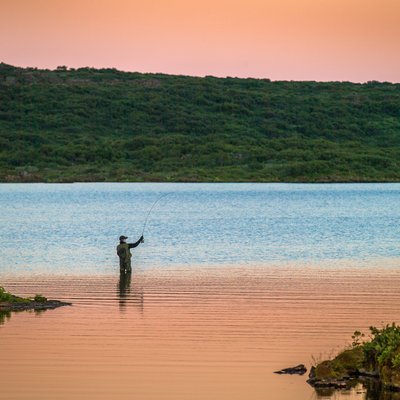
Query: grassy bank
x=10 y=302
x=378 y=358
x=106 y=125
x=8 y=298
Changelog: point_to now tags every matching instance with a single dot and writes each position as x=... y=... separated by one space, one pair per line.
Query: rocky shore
x=377 y=359
x=372 y=363
x=32 y=305
x=10 y=302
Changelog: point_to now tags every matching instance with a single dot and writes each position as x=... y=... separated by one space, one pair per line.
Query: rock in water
x=298 y=370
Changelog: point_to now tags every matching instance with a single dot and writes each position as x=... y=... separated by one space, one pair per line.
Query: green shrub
x=384 y=347
x=10 y=298
x=5 y=296
x=40 y=299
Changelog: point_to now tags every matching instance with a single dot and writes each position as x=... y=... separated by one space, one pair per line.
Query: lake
x=233 y=282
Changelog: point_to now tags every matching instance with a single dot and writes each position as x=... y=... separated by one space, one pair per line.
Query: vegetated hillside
x=105 y=125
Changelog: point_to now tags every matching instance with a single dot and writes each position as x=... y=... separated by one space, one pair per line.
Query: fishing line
x=151 y=208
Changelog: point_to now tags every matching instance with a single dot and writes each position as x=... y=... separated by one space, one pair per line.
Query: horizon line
x=67 y=68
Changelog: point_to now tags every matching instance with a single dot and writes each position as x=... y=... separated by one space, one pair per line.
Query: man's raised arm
x=136 y=244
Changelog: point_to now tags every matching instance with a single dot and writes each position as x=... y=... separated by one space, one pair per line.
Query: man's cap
x=123 y=237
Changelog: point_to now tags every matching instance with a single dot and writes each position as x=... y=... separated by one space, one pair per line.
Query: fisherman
x=124 y=253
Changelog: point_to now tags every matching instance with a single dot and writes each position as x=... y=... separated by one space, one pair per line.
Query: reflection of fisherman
x=124 y=253
x=124 y=287
x=136 y=298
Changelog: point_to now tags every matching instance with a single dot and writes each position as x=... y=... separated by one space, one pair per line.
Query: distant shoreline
x=344 y=181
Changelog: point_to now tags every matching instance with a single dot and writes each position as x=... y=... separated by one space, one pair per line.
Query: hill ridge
x=90 y=124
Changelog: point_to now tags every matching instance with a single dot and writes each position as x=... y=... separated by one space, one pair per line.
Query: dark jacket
x=123 y=249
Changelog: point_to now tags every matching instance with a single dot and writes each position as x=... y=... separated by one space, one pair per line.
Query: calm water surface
x=234 y=281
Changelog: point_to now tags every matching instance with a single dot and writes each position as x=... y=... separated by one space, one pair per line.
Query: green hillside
x=105 y=125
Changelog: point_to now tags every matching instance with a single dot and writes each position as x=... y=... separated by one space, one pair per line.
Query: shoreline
x=217 y=181
x=10 y=302
x=377 y=359
x=32 y=305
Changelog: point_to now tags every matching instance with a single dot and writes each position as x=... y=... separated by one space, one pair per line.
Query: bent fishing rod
x=151 y=208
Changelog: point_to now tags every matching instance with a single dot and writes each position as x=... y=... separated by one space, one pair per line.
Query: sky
x=322 y=40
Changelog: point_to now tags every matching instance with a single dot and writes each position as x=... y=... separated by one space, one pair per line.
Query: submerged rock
x=298 y=370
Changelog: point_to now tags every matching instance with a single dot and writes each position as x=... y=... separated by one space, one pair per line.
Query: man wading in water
x=124 y=253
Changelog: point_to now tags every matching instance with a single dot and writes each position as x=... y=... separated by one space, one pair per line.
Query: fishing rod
x=151 y=208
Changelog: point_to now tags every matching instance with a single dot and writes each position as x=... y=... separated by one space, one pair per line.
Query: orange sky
x=355 y=40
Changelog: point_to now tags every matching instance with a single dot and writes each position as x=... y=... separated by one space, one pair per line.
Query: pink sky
x=354 y=40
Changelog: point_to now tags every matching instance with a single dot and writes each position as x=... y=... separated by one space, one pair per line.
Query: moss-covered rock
x=378 y=358
x=345 y=364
